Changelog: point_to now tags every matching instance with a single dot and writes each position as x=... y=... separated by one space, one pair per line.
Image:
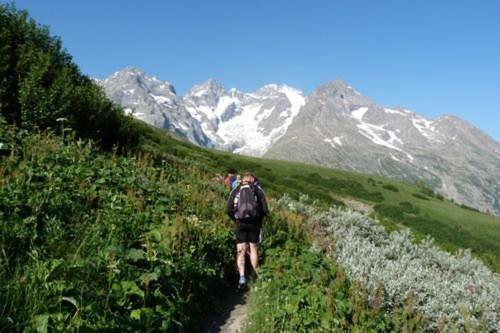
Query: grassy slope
x=95 y=241
x=452 y=226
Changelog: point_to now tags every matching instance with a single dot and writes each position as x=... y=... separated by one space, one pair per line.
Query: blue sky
x=433 y=57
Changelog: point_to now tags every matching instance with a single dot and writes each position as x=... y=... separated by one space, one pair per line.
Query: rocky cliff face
x=154 y=102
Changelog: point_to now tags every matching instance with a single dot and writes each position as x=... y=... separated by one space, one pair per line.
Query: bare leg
x=254 y=256
x=241 y=250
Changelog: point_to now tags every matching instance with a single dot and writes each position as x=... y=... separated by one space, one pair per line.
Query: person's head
x=231 y=172
x=248 y=178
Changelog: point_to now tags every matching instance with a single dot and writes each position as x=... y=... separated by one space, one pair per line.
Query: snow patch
x=245 y=127
x=395 y=158
x=354 y=90
x=393 y=111
x=161 y=99
x=200 y=93
x=393 y=138
x=223 y=104
x=182 y=126
x=425 y=127
x=336 y=141
x=194 y=113
x=330 y=142
x=264 y=114
x=372 y=132
x=358 y=114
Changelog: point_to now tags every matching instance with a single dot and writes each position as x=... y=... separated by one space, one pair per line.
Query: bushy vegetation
x=453 y=292
x=105 y=242
x=40 y=84
x=420 y=196
x=300 y=290
x=390 y=187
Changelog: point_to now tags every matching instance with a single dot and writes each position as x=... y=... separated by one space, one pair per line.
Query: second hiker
x=247 y=206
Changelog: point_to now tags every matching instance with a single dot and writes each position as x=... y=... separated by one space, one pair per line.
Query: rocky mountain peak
x=136 y=78
x=334 y=126
x=340 y=89
x=210 y=88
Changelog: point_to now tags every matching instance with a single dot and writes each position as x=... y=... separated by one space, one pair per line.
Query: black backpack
x=246 y=203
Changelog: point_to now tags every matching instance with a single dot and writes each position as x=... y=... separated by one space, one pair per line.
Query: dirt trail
x=231 y=317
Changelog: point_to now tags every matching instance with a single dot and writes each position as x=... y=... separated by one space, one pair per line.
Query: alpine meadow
x=110 y=224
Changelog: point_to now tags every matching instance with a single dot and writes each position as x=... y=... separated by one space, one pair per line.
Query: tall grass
x=99 y=241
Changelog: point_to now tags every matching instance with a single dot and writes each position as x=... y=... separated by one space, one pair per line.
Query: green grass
x=93 y=241
x=300 y=290
x=452 y=226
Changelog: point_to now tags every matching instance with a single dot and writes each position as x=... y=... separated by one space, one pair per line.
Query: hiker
x=247 y=206
x=230 y=179
x=236 y=182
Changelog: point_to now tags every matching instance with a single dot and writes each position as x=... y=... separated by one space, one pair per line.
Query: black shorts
x=247 y=232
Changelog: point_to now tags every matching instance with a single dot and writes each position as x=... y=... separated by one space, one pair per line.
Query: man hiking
x=230 y=179
x=247 y=206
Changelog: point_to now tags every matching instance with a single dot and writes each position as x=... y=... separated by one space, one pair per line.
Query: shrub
x=371 y=181
x=343 y=186
x=390 y=187
x=300 y=290
x=420 y=196
x=470 y=208
x=101 y=242
x=41 y=84
x=451 y=291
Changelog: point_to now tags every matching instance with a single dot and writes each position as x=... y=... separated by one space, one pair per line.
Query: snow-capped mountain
x=208 y=115
x=152 y=101
x=334 y=126
x=245 y=123
x=340 y=128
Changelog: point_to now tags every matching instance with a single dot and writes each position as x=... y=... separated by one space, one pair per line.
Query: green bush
x=41 y=87
x=343 y=186
x=425 y=189
x=300 y=290
x=469 y=208
x=93 y=241
x=390 y=187
x=420 y=196
x=400 y=212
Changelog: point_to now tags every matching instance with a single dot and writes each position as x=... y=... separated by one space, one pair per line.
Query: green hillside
x=395 y=204
x=107 y=224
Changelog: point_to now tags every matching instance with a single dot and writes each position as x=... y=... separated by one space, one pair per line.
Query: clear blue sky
x=433 y=57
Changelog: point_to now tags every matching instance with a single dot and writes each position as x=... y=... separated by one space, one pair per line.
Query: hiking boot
x=242 y=282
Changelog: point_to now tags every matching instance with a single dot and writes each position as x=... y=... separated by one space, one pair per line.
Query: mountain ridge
x=334 y=126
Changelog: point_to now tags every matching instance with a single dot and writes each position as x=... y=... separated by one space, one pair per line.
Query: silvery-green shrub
x=455 y=289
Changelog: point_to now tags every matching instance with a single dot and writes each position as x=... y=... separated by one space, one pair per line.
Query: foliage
x=451 y=226
x=40 y=84
x=401 y=212
x=390 y=187
x=93 y=241
x=454 y=292
x=300 y=290
x=469 y=208
x=420 y=196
